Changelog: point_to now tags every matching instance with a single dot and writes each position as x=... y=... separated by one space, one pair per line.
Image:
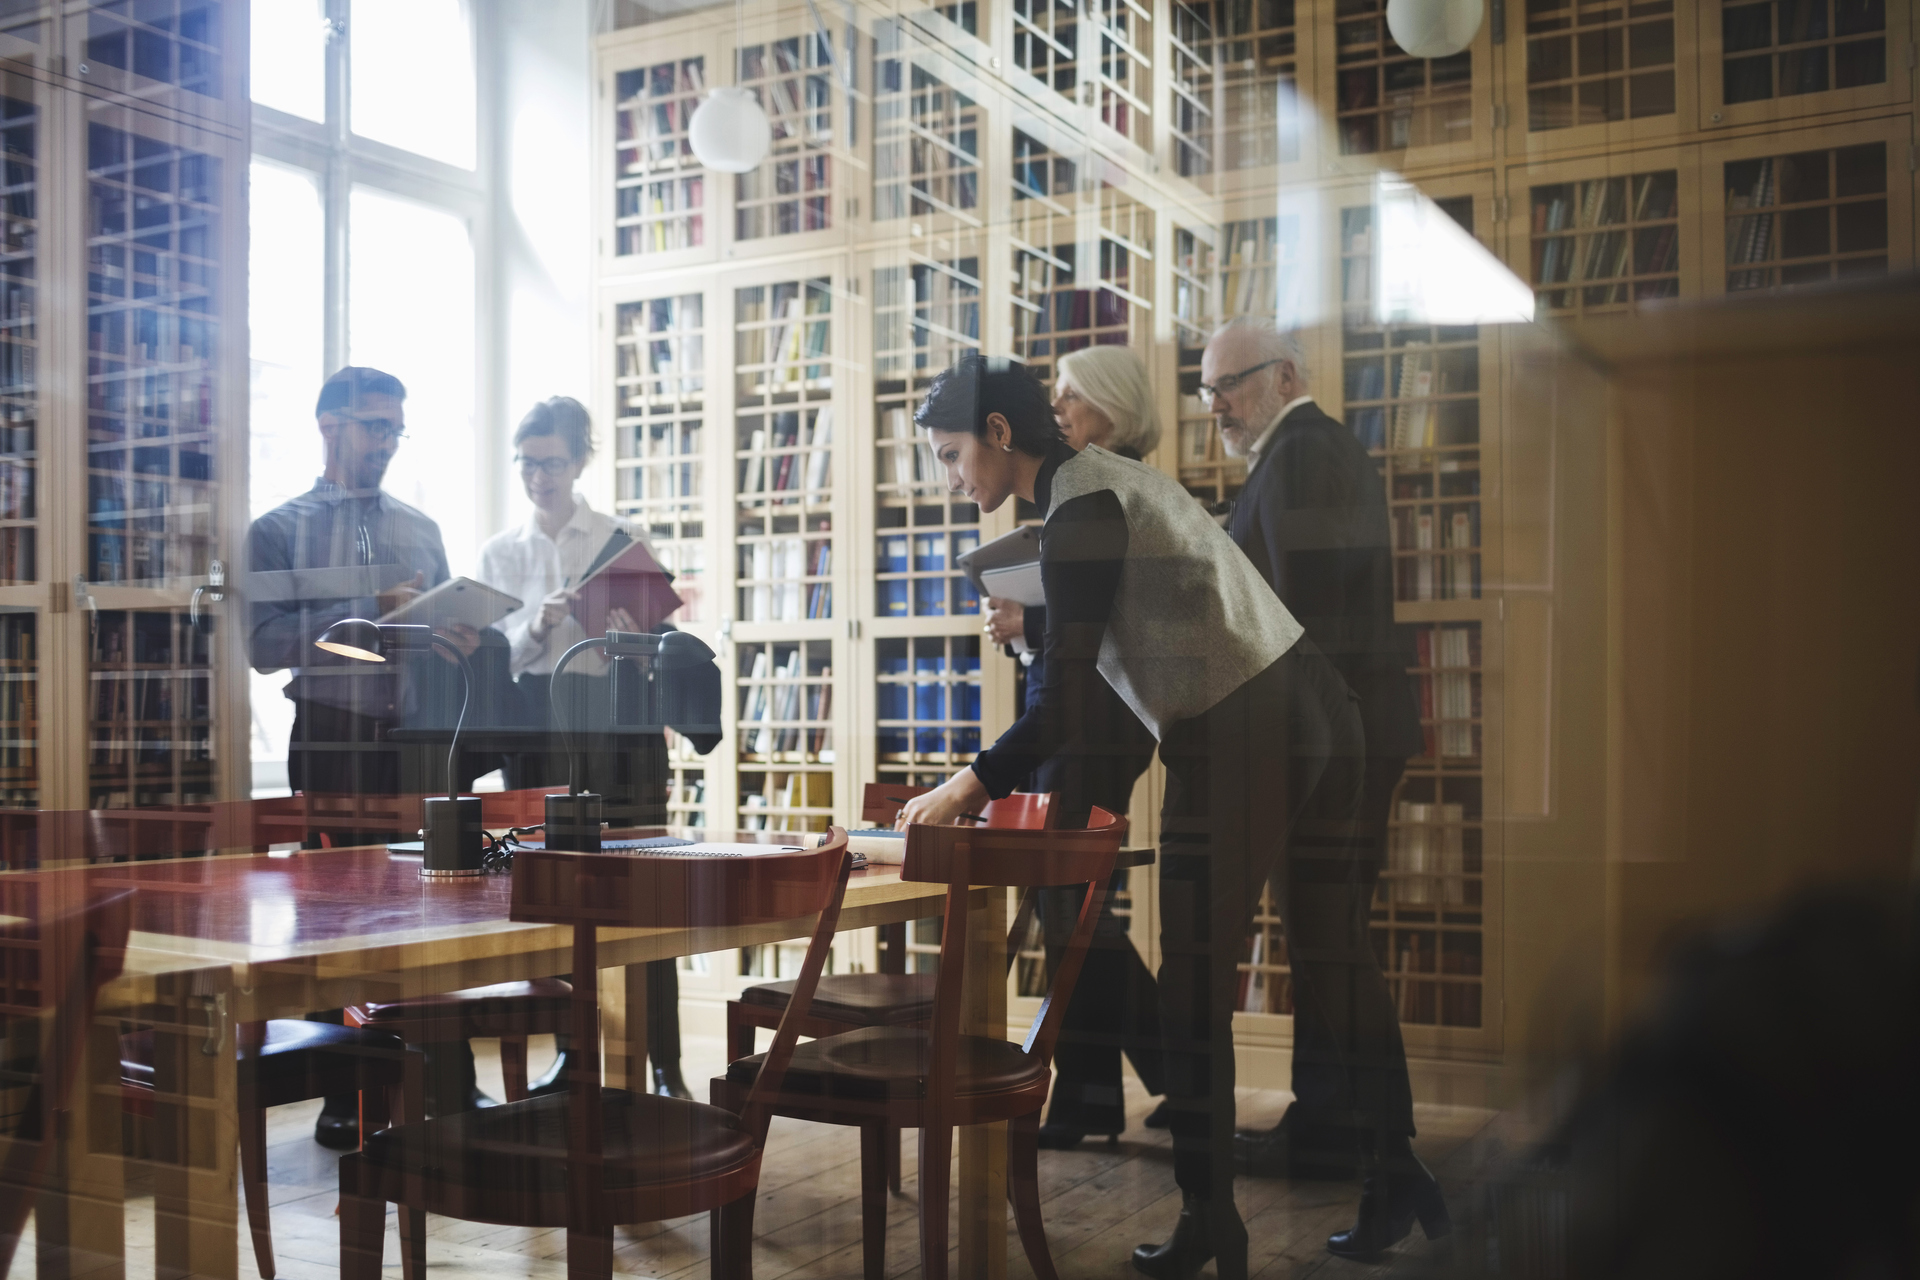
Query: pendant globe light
x=1434 y=28
x=730 y=132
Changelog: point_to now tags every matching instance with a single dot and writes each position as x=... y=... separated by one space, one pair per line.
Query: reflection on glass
x=413 y=82
x=289 y=56
x=411 y=313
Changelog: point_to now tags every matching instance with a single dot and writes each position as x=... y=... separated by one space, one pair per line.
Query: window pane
x=413 y=77
x=410 y=312
x=289 y=68
x=286 y=290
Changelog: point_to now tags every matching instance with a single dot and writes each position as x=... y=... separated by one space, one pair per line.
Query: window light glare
x=288 y=63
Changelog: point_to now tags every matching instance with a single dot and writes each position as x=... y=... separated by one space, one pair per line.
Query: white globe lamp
x=1432 y=28
x=729 y=131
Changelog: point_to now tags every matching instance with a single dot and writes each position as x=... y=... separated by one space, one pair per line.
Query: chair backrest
x=699 y=886
x=880 y=805
x=964 y=857
x=53 y=962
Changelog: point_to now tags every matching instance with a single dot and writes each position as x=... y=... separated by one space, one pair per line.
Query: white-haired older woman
x=1101 y=396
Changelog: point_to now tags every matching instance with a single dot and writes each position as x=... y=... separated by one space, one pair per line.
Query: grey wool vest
x=1193 y=619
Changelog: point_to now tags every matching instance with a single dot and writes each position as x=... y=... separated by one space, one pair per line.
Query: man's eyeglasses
x=555 y=467
x=1231 y=382
x=380 y=428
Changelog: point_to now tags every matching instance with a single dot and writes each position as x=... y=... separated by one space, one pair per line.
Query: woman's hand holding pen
x=961 y=796
x=1006 y=620
x=553 y=611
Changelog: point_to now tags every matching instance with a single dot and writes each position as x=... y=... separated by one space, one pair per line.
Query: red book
x=625 y=575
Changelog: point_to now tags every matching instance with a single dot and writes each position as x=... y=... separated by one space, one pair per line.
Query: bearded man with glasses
x=1313 y=519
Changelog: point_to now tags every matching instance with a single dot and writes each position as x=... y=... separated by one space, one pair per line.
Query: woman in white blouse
x=542 y=562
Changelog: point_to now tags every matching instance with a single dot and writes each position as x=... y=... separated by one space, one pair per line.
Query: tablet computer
x=455 y=600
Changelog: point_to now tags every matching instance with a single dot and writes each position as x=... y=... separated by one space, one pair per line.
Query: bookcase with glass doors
x=1023 y=180
x=122 y=423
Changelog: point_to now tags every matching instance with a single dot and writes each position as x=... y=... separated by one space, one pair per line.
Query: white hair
x=1114 y=381
x=1273 y=342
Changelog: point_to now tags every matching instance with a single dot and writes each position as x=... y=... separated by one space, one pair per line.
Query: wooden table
x=219 y=941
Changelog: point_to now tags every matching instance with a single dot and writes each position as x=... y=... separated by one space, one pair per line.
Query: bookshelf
x=786 y=751
x=1764 y=63
x=660 y=437
x=19 y=711
x=150 y=711
x=20 y=121
x=792 y=190
x=660 y=190
x=1007 y=210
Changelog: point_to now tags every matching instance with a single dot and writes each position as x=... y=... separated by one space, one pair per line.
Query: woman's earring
x=1007 y=447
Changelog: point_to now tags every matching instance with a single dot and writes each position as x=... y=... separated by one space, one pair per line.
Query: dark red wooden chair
x=932 y=1078
x=892 y=997
x=592 y=1157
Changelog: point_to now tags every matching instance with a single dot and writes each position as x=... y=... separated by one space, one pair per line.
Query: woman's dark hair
x=963 y=397
x=561 y=416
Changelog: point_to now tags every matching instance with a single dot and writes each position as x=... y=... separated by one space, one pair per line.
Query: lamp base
x=573 y=822
x=451 y=837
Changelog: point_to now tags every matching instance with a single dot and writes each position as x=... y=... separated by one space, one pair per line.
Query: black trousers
x=1323 y=1084
x=1268 y=780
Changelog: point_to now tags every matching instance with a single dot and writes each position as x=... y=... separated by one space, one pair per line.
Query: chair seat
x=520 y=1149
x=296 y=1060
x=891 y=1063
x=862 y=999
x=506 y=1008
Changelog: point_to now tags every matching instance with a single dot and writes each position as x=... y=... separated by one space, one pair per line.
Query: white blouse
x=526 y=563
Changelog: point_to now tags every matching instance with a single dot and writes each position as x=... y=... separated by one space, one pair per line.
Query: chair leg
x=589 y=1253
x=379 y=1108
x=363 y=1237
x=513 y=1066
x=1023 y=1188
x=892 y=1151
x=936 y=1153
x=875 y=1136
x=733 y=1236
x=739 y=1033
x=253 y=1179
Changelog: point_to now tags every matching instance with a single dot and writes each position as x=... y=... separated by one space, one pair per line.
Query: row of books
x=1607 y=256
x=667 y=225
x=929 y=550
x=1606 y=202
x=1263 y=988
x=1449 y=694
x=775 y=569
x=1420 y=952
x=791 y=346
x=928 y=701
x=18 y=558
x=1451 y=576
x=19 y=716
x=1426 y=846
x=795 y=790
x=904 y=460
x=782 y=695
x=774 y=459
x=1750 y=239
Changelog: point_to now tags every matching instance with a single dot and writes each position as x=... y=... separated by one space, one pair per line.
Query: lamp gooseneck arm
x=553 y=709
x=466 y=695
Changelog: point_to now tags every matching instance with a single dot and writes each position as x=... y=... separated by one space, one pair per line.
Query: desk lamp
x=450 y=826
x=573 y=819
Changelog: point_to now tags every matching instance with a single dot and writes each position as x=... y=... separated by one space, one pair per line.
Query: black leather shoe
x=1395 y=1195
x=1161 y=1117
x=1061 y=1137
x=553 y=1079
x=1208 y=1231
x=338 y=1131
x=668 y=1084
x=1297 y=1148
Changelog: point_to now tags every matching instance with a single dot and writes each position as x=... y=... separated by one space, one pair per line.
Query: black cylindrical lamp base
x=450 y=832
x=573 y=822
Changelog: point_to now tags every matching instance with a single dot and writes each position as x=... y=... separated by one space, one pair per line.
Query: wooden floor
x=1099 y=1202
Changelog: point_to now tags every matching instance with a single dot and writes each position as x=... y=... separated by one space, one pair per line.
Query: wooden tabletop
x=314 y=929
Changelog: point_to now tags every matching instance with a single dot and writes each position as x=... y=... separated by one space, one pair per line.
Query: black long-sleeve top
x=1083 y=546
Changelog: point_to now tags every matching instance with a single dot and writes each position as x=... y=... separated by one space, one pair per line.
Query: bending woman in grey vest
x=1263 y=750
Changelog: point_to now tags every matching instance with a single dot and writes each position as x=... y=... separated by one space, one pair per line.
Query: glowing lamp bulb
x=1434 y=28
x=730 y=132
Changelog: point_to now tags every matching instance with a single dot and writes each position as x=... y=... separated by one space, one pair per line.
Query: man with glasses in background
x=345 y=549
x=1313 y=519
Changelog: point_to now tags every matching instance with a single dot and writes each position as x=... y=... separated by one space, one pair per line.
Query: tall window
x=360 y=218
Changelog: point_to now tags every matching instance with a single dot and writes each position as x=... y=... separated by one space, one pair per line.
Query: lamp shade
x=672 y=651
x=365 y=641
x=729 y=131
x=354 y=638
x=1434 y=28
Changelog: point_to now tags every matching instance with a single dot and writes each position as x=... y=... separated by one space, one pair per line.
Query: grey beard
x=1236 y=444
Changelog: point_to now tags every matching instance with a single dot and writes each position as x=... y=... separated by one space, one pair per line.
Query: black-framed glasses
x=380 y=428
x=1231 y=382
x=552 y=466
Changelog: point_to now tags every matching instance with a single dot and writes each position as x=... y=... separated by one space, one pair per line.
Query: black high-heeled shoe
x=1396 y=1194
x=668 y=1084
x=1208 y=1231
